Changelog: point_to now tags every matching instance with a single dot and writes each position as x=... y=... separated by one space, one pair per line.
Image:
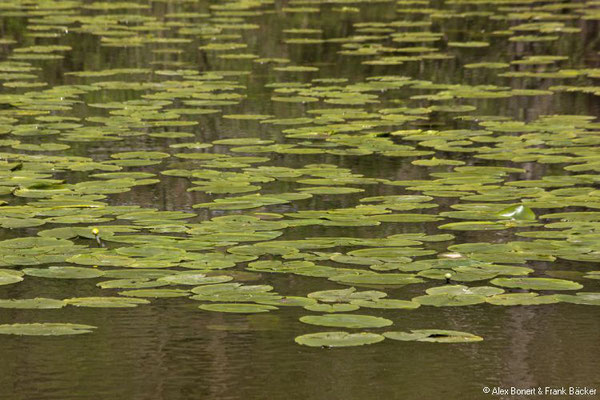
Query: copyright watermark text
x=576 y=391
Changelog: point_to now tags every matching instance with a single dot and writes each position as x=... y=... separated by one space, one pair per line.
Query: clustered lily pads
x=266 y=179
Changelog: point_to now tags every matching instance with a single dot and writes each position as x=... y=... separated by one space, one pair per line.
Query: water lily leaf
x=522 y=299
x=376 y=279
x=138 y=273
x=459 y=274
x=446 y=300
x=474 y=226
x=8 y=276
x=290 y=301
x=458 y=290
x=37 y=303
x=338 y=339
x=45 y=329
x=330 y=190
x=537 y=283
x=586 y=298
x=332 y=308
x=105 y=302
x=64 y=272
x=139 y=283
x=517 y=212
x=234 y=293
x=187 y=278
x=346 y=321
x=240 y=308
x=384 y=253
x=346 y=295
x=156 y=293
x=468 y=44
x=433 y=335
x=387 y=304
x=101 y=259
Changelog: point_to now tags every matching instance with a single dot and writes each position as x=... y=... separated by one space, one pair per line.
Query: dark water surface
x=171 y=350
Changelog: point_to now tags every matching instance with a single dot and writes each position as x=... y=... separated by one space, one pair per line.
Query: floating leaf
x=338 y=339
x=522 y=299
x=194 y=279
x=517 y=212
x=446 y=300
x=346 y=321
x=376 y=279
x=64 y=272
x=37 y=303
x=386 y=304
x=537 y=283
x=240 y=308
x=332 y=308
x=45 y=329
x=156 y=293
x=346 y=295
x=8 y=277
x=433 y=335
x=105 y=302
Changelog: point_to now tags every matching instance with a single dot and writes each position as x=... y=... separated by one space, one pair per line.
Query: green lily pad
x=345 y=295
x=517 y=212
x=458 y=290
x=433 y=335
x=586 y=298
x=346 y=321
x=105 y=302
x=376 y=279
x=64 y=272
x=459 y=274
x=332 y=308
x=338 y=339
x=136 y=283
x=37 y=303
x=8 y=276
x=537 y=283
x=45 y=329
x=156 y=293
x=194 y=279
x=474 y=226
x=387 y=304
x=101 y=259
x=449 y=300
x=290 y=301
x=522 y=299
x=240 y=308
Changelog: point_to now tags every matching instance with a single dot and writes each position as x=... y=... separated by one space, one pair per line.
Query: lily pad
x=449 y=300
x=376 y=279
x=194 y=279
x=522 y=299
x=8 y=276
x=537 y=283
x=45 y=329
x=346 y=295
x=517 y=212
x=586 y=298
x=346 y=321
x=433 y=335
x=338 y=339
x=37 y=303
x=64 y=272
x=387 y=304
x=240 y=308
x=156 y=293
x=332 y=308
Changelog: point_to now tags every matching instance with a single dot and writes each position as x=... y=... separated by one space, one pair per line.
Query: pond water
x=298 y=199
